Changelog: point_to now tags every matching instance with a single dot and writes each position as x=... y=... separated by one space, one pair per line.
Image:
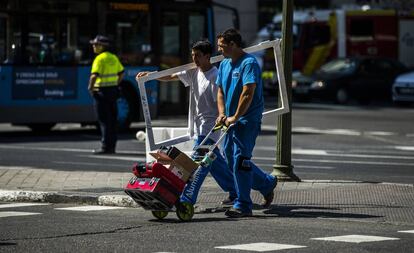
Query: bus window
x=170 y=47
x=2 y=39
x=196 y=24
x=129 y=28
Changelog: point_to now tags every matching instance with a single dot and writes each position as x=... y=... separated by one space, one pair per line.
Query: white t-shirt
x=203 y=98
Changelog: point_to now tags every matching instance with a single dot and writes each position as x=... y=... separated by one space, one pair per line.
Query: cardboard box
x=186 y=163
x=182 y=166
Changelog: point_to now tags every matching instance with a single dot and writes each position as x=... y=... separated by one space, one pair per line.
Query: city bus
x=45 y=55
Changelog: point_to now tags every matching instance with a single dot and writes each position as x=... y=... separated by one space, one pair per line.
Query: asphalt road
x=373 y=144
x=49 y=228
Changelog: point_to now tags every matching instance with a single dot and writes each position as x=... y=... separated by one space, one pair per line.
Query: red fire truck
x=321 y=35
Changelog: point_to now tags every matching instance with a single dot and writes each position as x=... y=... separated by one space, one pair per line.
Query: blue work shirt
x=232 y=77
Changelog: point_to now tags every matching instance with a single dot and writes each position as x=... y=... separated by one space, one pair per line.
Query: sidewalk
x=377 y=202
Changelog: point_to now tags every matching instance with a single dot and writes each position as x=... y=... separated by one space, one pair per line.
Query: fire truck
x=321 y=35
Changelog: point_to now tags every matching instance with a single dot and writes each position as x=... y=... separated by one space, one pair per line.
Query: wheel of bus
x=185 y=211
x=41 y=127
x=128 y=106
x=159 y=214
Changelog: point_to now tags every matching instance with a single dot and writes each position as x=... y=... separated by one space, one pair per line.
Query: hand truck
x=158 y=189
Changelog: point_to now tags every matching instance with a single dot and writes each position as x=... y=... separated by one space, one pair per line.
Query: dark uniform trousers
x=106 y=110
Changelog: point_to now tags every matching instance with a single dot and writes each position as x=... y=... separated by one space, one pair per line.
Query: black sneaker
x=237 y=213
x=103 y=151
x=228 y=201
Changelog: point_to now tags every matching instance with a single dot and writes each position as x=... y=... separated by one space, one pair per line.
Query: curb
x=125 y=200
x=62 y=197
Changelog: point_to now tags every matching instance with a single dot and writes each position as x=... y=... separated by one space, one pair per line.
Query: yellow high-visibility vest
x=107 y=67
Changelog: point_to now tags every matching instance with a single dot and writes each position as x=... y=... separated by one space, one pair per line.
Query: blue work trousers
x=106 y=111
x=223 y=175
x=218 y=169
x=238 y=146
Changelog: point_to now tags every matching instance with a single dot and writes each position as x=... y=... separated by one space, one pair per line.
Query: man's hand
x=91 y=84
x=140 y=74
x=221 y=119
x=230 y=120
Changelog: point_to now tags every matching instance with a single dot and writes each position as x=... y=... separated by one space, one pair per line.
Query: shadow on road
x=314 y=212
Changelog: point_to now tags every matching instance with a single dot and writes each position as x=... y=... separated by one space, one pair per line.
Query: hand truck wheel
x=159 y=214
x=185 y=211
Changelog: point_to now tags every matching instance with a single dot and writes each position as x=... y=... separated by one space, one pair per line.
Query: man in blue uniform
x=203 y=103
x=240 y=102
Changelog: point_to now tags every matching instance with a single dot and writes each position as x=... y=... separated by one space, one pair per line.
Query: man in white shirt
x=203 y=102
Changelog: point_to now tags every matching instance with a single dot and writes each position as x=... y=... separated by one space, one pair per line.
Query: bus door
x=179 y=29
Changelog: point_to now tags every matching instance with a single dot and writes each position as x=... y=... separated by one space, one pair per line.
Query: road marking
x=67 y=149
x=308 y=152
x=123 y=158
x=348 y=132
x=379 y=133
x=340 y=153
x=406 y=231
x=261 y=246
x=255 y=158
x=296 y=166
x=314 y=167
x=353 y=162
x=355 y=238
x=11 y=214
x=405 y=148
x=91 y=164
x=89 y=208
x=22 y=205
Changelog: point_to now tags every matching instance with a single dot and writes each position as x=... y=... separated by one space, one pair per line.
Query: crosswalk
x=391 y=156
x=4 y=214
x=86 y=208
x=252 y=247
x=11 y=214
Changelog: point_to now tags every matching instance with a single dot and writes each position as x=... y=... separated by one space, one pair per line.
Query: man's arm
x=92 y=81
x=120 y=77
x=245 y=100
x=221 y=108
x=172 y=77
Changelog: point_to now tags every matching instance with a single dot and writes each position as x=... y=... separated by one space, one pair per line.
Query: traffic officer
x=106 y=75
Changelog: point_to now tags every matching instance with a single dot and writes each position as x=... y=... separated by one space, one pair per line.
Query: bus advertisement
x=45 y=55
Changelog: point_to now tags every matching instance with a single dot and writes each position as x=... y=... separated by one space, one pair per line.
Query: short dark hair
x=230 y=35
x=204 y=46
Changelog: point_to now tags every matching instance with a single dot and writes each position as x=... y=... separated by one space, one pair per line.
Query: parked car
x=403 y=89
x=354 y=78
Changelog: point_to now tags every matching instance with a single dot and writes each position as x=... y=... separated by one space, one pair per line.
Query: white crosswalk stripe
x=406 y=231
x=261 y=247
x=356 y=238
x=11 y=214
x=89 y=208
x=13 y=205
